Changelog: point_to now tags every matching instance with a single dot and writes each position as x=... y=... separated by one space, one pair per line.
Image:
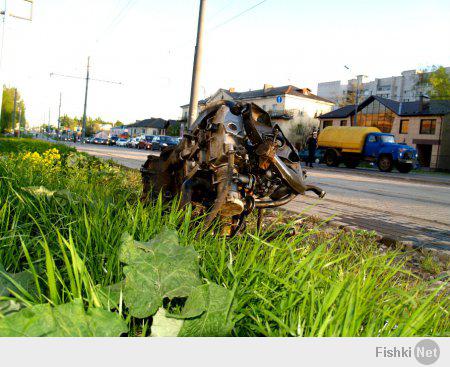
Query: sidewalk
x=437 y=178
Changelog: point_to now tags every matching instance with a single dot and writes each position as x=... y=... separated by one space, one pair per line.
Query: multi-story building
x=409 y=86
x=291 y=107
x=423 y=124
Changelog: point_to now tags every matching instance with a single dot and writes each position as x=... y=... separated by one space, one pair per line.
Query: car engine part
x=231 y=161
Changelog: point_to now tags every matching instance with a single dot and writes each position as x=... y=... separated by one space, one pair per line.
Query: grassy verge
x=17 y=145
x=62 y=216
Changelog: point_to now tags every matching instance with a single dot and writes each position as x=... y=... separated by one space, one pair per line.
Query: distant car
x=164 y=141
x=112 y=140
x=97 y=141
x=133 y=142
x=146 y=142
x=122 y=142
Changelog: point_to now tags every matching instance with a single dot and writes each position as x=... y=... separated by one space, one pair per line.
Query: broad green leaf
x=61 y=196
x=105 y=323
x=64 y=320
x=110 y=295
x=164 y=326
x=12 y=281
x=7 y=307
x=34 y=321
x=195 y=304
x=216 y=320
x=156 y=270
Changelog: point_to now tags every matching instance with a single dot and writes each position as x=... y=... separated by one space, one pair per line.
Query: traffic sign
x=279 y=99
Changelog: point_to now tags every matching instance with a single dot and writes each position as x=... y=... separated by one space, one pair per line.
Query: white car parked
x=122 y=142
x=133 y=142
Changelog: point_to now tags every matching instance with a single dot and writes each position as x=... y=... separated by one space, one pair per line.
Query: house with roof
x=151 y=126
x=423 y=124
x=288 y=105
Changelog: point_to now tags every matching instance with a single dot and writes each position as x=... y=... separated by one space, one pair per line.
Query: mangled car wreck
x=232 y=160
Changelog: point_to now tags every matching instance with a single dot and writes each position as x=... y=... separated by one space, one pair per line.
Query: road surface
x=411 y=207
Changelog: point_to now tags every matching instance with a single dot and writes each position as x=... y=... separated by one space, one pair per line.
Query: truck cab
x=383 y=149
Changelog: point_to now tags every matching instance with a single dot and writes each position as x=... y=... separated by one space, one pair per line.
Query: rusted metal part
x=232 y=160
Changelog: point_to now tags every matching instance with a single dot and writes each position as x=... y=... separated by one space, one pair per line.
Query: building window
x=343 y=122
x=327 y=123
x=376 y=115
x=274 y=107
x=428 y=126
x=403 y=127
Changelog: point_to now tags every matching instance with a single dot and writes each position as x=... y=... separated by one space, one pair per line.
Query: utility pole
x=49 y=128
x=59 y=113
x=6 y=14
x=14 y=111
x=83 y=133
x=193 y=104
x=87 y=78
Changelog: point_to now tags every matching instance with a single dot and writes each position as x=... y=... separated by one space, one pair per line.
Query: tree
x=174 y=128
x=6 y=122
x=440 y=84
x=433 y=81
x=349 y=98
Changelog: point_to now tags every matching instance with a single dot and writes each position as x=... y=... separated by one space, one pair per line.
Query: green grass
x=16 y=145
x=312 y=284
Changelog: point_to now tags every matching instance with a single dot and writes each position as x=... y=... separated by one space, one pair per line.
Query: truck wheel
x=404 y=167
x=351 y=163
x=385 y=163
x=331 y=158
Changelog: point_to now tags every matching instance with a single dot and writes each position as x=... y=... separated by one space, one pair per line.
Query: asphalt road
x=413 y=207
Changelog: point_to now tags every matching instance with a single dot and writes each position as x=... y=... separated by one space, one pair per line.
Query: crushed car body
x=232 y=160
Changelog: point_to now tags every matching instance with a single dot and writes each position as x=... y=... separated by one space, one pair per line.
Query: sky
x=148 y=46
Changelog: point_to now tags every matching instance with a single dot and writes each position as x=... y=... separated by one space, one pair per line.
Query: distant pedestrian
x=74 y=138
x=312 y=147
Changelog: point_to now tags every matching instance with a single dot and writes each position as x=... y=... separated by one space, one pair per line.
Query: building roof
x=342 y=112
x=268 y=92
x=414 y=108
x=156 y=123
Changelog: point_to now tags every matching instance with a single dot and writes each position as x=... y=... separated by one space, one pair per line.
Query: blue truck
x=353 y=144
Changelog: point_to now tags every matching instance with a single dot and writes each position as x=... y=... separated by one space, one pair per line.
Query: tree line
x=6 y=121
x=93 y=125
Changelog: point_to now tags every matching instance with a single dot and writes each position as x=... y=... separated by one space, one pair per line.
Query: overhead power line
x=118 y=18
x=238 y=15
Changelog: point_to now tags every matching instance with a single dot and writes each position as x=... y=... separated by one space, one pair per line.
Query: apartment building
x=406 y=87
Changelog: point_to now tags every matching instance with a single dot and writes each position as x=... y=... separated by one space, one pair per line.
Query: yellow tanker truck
x=352 y=144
